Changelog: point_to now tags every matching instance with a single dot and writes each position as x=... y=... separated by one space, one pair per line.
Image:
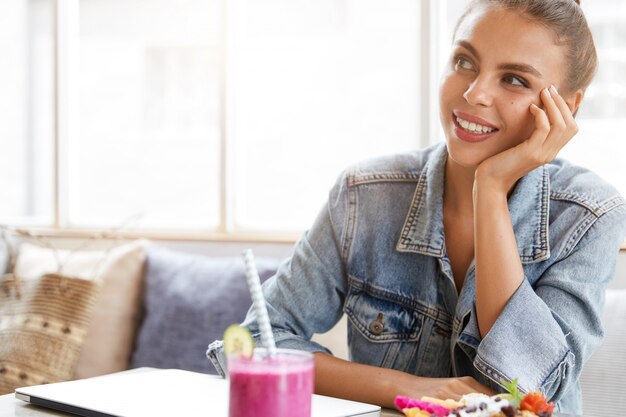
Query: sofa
x=159 y=307
x=134 y=304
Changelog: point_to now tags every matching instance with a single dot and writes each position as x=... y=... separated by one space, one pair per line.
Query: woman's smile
x=471 y=128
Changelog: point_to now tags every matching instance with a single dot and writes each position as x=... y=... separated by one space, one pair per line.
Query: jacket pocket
x=382 y=330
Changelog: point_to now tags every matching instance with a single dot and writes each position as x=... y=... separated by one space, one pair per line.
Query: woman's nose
x=478 y=93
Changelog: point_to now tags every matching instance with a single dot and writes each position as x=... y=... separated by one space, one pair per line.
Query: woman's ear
x=573 y=100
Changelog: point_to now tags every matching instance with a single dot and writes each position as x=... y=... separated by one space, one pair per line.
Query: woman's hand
x=444 y=388
x=555 y=126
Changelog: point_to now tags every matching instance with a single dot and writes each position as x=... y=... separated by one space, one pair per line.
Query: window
x=205 y=116
x=147 y=114
x=599 y=145
x=26 y=111
x=315 y=86
x=234 y=116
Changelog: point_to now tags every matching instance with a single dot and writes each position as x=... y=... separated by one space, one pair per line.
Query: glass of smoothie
x=271 y=386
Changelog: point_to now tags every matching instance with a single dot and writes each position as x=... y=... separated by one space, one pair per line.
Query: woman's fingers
x=566 y=113
x=478 y=387
x=563 y=125
x=466 y=385
x=557 y=123
x=542 y=126
x=555 y=126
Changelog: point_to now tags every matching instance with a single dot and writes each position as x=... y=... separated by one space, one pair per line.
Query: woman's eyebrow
x=529 y=69
x=525 y=68
x=470 y=48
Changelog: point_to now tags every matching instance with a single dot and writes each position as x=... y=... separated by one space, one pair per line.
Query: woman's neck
x=458 y=186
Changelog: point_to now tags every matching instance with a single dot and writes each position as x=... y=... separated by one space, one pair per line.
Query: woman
x=464 y=266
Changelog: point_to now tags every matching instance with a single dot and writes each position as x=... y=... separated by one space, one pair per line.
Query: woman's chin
x=464 y=156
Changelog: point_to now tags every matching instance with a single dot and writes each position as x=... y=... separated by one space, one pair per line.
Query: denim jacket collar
x=423 y=227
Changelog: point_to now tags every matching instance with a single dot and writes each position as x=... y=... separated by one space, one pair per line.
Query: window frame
x=65 y=53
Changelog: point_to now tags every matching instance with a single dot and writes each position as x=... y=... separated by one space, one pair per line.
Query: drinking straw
x=258 y=302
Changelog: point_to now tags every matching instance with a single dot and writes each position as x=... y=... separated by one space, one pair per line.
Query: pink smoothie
x=271 y=387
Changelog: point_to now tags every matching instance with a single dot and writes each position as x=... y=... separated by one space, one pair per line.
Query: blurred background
x=231 y=120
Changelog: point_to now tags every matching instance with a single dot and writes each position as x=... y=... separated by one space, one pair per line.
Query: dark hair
x=566 y=19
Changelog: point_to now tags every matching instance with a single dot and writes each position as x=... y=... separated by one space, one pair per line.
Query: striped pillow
x=43 y=323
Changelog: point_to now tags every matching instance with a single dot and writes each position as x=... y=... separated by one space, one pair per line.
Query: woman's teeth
x=474 y=127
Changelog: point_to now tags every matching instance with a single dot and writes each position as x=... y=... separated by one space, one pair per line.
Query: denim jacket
x=377 y=253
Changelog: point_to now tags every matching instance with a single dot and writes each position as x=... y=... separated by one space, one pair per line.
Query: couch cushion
x=189 y=301
x=603 y=380
x=110 y=337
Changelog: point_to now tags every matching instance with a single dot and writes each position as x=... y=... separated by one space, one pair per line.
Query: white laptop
x=161 y=392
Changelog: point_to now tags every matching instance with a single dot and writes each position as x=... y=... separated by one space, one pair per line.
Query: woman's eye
x=516 y=81
x=463 y=63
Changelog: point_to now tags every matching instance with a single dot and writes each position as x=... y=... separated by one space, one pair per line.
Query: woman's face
x=500 y=62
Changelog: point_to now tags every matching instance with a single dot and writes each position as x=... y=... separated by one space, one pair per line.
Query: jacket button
x=376 y=326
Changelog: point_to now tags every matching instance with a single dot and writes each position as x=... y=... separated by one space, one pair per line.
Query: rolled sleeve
x=548 y=329
x=516 y=348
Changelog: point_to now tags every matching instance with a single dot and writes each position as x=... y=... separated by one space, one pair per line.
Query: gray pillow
x=189 y=300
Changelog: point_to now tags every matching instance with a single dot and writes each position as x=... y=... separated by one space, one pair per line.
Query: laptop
x=161 y=392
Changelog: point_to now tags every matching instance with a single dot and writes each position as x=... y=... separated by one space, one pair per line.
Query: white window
x=145 y=127
x=316 y=85
x=216 y=116
x=600 y=144
x=26 y=111
x=206 y=116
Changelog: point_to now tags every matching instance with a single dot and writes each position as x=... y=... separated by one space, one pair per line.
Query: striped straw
x=258 y=302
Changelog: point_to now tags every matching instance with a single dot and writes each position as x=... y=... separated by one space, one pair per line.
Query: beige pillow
x=43 y=323
x=110 y=337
